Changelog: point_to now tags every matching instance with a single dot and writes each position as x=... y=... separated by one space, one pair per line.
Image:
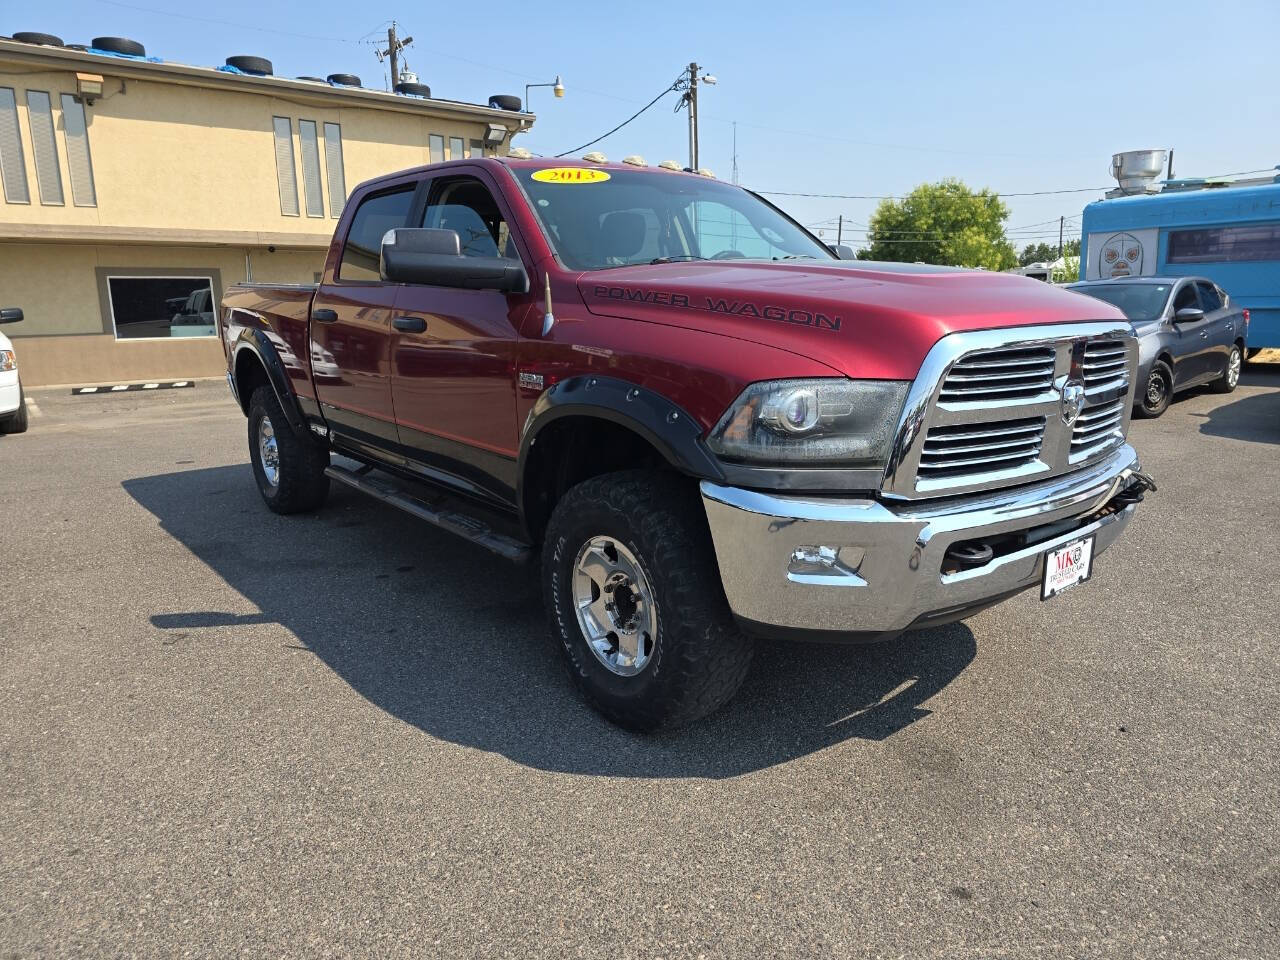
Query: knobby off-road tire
x=295 y=481
x=1230 y=378
x=697 y=657
x=1146 y=407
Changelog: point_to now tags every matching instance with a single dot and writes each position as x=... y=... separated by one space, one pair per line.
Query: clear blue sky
x=850 y=98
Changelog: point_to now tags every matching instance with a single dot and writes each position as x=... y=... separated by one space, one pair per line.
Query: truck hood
x=869 y=320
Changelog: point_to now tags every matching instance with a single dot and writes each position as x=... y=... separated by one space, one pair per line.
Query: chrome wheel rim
x=1233 y=368
x=1155 y=391
x=615 y=606
x=268 y=452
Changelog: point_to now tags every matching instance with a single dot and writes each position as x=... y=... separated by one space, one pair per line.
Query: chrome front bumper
x=867 y=569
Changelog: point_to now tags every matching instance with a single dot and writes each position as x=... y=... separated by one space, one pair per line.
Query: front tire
x=635 y=602
x=1157 y=391
x=1230 y=378
x=17 y=421
x=289 y=469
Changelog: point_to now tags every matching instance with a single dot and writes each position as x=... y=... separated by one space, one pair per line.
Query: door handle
x=324 y=315
x=409 y=324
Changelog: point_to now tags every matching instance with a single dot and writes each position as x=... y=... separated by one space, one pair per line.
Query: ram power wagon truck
x=707 y=427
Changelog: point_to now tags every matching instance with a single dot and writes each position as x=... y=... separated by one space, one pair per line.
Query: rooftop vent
x=1136 y=171
x=257 y=66
x=121 y=45
x=43 y=39
x=344 y=79
x=504 y=101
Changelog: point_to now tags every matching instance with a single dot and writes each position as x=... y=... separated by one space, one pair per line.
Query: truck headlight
x=8 y=361
x=817 y=422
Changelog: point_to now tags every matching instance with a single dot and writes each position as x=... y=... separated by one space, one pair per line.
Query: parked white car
x=13 y=408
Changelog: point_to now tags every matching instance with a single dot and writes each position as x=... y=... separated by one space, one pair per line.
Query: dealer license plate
x=1066 y=567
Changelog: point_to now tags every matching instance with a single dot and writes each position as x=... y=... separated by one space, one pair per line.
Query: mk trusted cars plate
x=1067 y=566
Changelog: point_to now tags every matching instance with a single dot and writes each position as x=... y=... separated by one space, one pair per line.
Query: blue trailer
x=1229 y=232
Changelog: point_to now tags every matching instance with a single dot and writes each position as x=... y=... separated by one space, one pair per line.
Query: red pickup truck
x=708 y=426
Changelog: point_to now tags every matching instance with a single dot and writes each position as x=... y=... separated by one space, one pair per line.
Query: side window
x=374 y=217
x=1209 y=298
x=1185 y=297
x=465 y=206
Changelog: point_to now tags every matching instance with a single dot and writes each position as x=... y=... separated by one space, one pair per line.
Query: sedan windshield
x=1137 y=301
x=615 y=218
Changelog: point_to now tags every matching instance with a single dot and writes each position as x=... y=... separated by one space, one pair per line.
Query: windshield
x=615 y=218
x=1137 y=301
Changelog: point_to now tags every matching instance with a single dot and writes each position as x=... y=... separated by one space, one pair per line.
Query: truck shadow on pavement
x=446 y=637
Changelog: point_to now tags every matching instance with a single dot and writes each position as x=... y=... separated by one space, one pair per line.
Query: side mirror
x=842 y=251
x=10 y=315
x=433 y=257
x=1188 y=315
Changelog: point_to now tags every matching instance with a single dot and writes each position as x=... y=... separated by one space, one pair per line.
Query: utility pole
x=1061 y=223
x=735 y=153
x=693 y=116
x=394 y=46
x=839 y=229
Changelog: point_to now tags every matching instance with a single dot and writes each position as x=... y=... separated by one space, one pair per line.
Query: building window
x=477 y=148
x=457 y=148
x=13 y=169
x=309 y=141
x=146 y=308
x=286 y=172
x=374 y=217
x=437 y=147
x=44 y=148
x=333 y=168
x=1255 y=241
x=79 y=162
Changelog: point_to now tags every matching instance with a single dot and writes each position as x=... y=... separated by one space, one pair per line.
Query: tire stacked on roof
x=505 y=101
x=344 y=79
x=257 y=66
x=414 y=89
x=121 y=45
x=42 y=39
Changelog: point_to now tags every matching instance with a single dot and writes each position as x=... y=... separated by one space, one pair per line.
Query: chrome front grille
x=1015 y=373
x=988 y=409
x=1105 y=365
x=1098 y=427
x=961 y=449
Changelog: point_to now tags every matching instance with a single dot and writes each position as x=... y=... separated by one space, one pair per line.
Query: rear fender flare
x=263 y=350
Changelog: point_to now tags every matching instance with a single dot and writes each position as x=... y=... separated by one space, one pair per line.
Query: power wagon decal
x=737 y=308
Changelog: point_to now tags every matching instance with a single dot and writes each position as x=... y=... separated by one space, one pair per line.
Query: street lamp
x=557 y=88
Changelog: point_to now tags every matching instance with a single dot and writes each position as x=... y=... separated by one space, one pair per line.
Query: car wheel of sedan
x=289 y=469
x=1230 y=378
x=1157 y=391
x=636 y=604
x=16 y=422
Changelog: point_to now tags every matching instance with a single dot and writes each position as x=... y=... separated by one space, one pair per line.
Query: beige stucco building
x=133 y=191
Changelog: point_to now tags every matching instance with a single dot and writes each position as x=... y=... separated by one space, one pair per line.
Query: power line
x=623 y=123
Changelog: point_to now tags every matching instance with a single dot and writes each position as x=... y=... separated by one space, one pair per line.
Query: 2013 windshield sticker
x=737 y=308
x=570 y=175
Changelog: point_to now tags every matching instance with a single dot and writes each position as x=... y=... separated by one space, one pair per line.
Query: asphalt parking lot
x=226 y=732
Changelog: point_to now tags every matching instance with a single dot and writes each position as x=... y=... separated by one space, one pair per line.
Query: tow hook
x=1137 y=489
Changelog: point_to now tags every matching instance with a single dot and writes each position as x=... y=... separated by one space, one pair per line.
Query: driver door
x=1191 y=348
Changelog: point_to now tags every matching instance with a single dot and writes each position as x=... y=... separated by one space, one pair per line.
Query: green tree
x=1047 y=252
x=945 y=223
